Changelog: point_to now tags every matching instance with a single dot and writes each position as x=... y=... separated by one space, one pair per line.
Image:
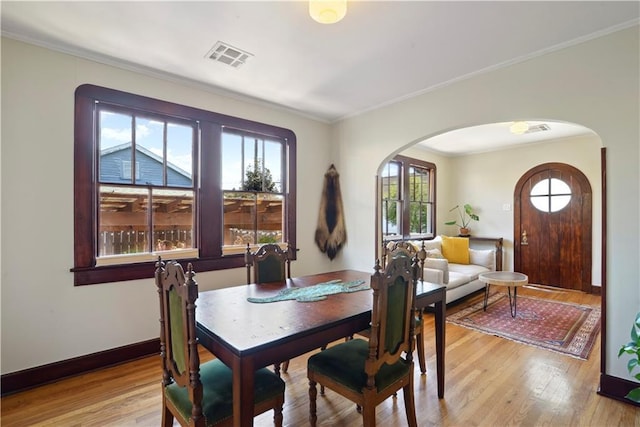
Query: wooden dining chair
x=406 y=249
x=369 y=371
x=199 y=394
x=270 y=263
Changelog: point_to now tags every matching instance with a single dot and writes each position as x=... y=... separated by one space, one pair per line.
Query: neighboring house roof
x=114 y=169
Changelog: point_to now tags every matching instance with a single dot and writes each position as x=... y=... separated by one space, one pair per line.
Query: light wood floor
x=489 y=382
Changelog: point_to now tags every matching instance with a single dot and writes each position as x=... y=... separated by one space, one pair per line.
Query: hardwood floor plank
x=489 y=382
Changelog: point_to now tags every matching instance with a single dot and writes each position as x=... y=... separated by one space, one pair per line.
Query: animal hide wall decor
x=331 y=233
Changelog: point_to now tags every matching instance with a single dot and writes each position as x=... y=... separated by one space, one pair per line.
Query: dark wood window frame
x=209 y=215
x=406 y=163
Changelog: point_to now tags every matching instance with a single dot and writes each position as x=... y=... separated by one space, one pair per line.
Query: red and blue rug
x=565 y=328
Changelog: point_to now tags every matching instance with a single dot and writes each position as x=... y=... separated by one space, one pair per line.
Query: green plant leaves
x=633 y=347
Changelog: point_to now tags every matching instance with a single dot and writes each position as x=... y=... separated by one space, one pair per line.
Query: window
x=155 y=178
x=550 y=195
x=408 y=198
x=252 y=184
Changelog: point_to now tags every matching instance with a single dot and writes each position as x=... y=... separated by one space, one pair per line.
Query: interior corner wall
x=594 y=83
x=45 y=318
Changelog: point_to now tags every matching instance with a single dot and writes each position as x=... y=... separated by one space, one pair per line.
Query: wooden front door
x=552 y=227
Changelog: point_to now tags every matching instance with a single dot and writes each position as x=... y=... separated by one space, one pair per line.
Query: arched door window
x=550 y=195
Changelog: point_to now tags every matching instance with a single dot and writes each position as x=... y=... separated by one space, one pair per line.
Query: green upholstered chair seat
x=344 y=362
x=217 y=381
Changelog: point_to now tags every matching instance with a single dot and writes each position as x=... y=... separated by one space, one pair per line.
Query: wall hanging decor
x=331 y=233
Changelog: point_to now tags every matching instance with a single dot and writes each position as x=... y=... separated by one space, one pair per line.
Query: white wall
x=594 y=84
x=44 y=317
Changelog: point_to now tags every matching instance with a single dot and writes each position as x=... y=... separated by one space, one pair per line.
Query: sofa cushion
x=439 y=264
x=485 y=258
x=434 y=253
x=435 y=243
x=456 y=280
x=456 y=249
x=469 y=271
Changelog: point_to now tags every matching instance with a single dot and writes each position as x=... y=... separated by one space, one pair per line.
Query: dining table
x=249 y=335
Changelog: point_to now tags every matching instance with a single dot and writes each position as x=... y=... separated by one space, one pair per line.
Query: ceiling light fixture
x=519 y=128
x=327 y=12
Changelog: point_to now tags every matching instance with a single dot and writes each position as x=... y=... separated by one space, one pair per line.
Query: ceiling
x=380 y=53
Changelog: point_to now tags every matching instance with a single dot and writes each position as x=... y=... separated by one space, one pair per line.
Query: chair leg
x=409 y=404
x=285 y=366
x=276 y=369
x=421 y=360
x=167 y=417
x=277 y=416
x=313 y=392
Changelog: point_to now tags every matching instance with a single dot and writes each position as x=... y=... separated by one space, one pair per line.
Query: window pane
x=232 y=162
x=115 y=147
x=418 y=217
x=149 y=152
x=250 y=158
x=390 y=217
x=273 y=163
x=391 y=181
x=179 y=155
x=559 y=202
x=172 y=219
x=239 y=218
x=541 y=203
x=122 y=222
x=559 y=187
x=270 y=218
x=541 y=188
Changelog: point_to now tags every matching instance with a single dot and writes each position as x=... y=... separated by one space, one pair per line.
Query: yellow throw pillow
x=456 y=249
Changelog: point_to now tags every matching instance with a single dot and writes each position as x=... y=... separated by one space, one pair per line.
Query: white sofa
x=460 y=279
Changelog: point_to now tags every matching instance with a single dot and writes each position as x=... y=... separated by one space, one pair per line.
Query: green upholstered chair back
x=270 y=263
x=178 y=342
x=392 y=328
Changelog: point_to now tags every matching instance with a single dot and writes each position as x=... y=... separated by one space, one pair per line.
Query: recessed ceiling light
x=229 y=55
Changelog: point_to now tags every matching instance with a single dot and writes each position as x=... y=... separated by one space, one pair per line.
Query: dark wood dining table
x=247 y=336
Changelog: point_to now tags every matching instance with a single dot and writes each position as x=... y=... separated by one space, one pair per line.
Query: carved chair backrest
x=270 y=263
x=392 y=325
x=178 y=342
x=404 y=248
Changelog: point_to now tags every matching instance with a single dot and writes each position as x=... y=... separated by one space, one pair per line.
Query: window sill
x=145 y=270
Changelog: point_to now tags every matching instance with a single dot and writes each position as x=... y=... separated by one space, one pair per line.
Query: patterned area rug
x=565 y=328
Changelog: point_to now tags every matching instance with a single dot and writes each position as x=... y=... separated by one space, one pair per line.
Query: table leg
x=440 y=315
x=243 y=386
x=513 y=306
x=486 y=296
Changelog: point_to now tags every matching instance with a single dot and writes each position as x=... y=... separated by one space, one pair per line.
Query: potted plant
x=633 y=348
x=466 y=216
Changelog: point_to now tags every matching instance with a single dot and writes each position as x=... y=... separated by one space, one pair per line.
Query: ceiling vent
x=229 y=55
x=537 y=128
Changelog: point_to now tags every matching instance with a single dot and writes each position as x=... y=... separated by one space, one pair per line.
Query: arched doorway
x=552 y=226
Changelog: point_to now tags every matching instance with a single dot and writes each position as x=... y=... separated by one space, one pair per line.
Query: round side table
x=510 y=279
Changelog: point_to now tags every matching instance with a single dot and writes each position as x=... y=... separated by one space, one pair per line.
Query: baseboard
x=40 y=375
x=616 y=388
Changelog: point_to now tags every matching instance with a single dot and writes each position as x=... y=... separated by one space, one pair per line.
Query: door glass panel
x=550 y=195
x=541 y=203
x=559 y=187
x=559 y=202
x=541 y=188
